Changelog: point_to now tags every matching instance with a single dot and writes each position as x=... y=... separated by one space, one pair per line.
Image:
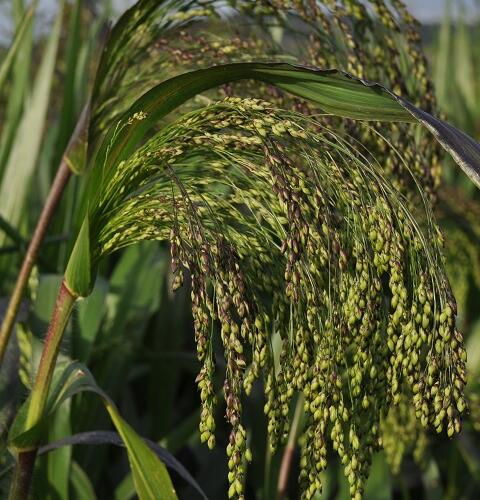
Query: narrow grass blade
x=26 y=146
x=90 y=313
x=149 y=475
x=113 y=438
x=464 y=65
x=80 y=485
x=19 y=88
x=443 y=57
x=57 y=463
x=22 y=30
x=73 y=45
x=149 y=472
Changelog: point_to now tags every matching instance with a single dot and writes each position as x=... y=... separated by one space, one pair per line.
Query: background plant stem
x=51 y=203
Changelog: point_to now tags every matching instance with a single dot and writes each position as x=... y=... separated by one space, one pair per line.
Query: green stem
x=26 y=458
x=61 y=314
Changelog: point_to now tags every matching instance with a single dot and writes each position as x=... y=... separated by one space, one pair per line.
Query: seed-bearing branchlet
x=283 y=234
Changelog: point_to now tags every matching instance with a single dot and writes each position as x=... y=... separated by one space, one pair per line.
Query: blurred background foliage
x=136 y=336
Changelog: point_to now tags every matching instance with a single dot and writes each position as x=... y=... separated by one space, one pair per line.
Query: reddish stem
x=51 y=203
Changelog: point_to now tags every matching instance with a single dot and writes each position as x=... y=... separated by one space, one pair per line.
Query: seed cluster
x=401 y=434
x=288 y=233
x=379 y=41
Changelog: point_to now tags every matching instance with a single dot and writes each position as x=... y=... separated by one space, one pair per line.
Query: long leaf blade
x=149 y=472
x=24 y=153
x=17 y=42
x=334 y=91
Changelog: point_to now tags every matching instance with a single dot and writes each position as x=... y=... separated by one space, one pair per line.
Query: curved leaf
x=26 y=145
x=151 y=480
x=149 y=472
x=80 y=484
x=334 y=91
x=78 y=274
x=120 y=34
x=113 y=438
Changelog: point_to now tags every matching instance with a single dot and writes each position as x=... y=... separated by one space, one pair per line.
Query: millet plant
x=297 y=203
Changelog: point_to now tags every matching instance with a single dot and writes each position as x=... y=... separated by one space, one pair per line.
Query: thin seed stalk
x=26 y=458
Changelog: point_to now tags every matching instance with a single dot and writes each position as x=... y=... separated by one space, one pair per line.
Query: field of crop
x=228 y=273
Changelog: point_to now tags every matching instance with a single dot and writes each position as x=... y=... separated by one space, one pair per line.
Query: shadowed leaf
x=334 y=91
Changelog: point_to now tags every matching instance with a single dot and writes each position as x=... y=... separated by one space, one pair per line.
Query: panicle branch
x=285 y=229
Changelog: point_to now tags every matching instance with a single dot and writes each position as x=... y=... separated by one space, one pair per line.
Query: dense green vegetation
x=257 y=265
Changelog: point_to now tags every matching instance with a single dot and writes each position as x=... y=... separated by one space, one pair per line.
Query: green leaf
x=24 y=153
x=19 y=88
x=150 y=474
x=79 y=276
x=334 y=91
x=18 y=436
x=65 y=382
x=29 y=357
x=70 y=105
x=12 y=233
x=134 y=296
x=81 y=486
x=90 y=313
x=464 y=63
x=151 y=480
x=120 y=35
x=9 y=389
x=473 y=352
x=185 y=431
x=45 y=297
x=442 y=59
x=135 y=293
x=379 y=484
x=56 y=465
x=20 y=33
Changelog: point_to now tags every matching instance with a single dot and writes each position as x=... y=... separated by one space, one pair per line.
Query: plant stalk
x=51 y=203
x=56 y=328
x=22 y=477
x=48 y=210
x=289 y=450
